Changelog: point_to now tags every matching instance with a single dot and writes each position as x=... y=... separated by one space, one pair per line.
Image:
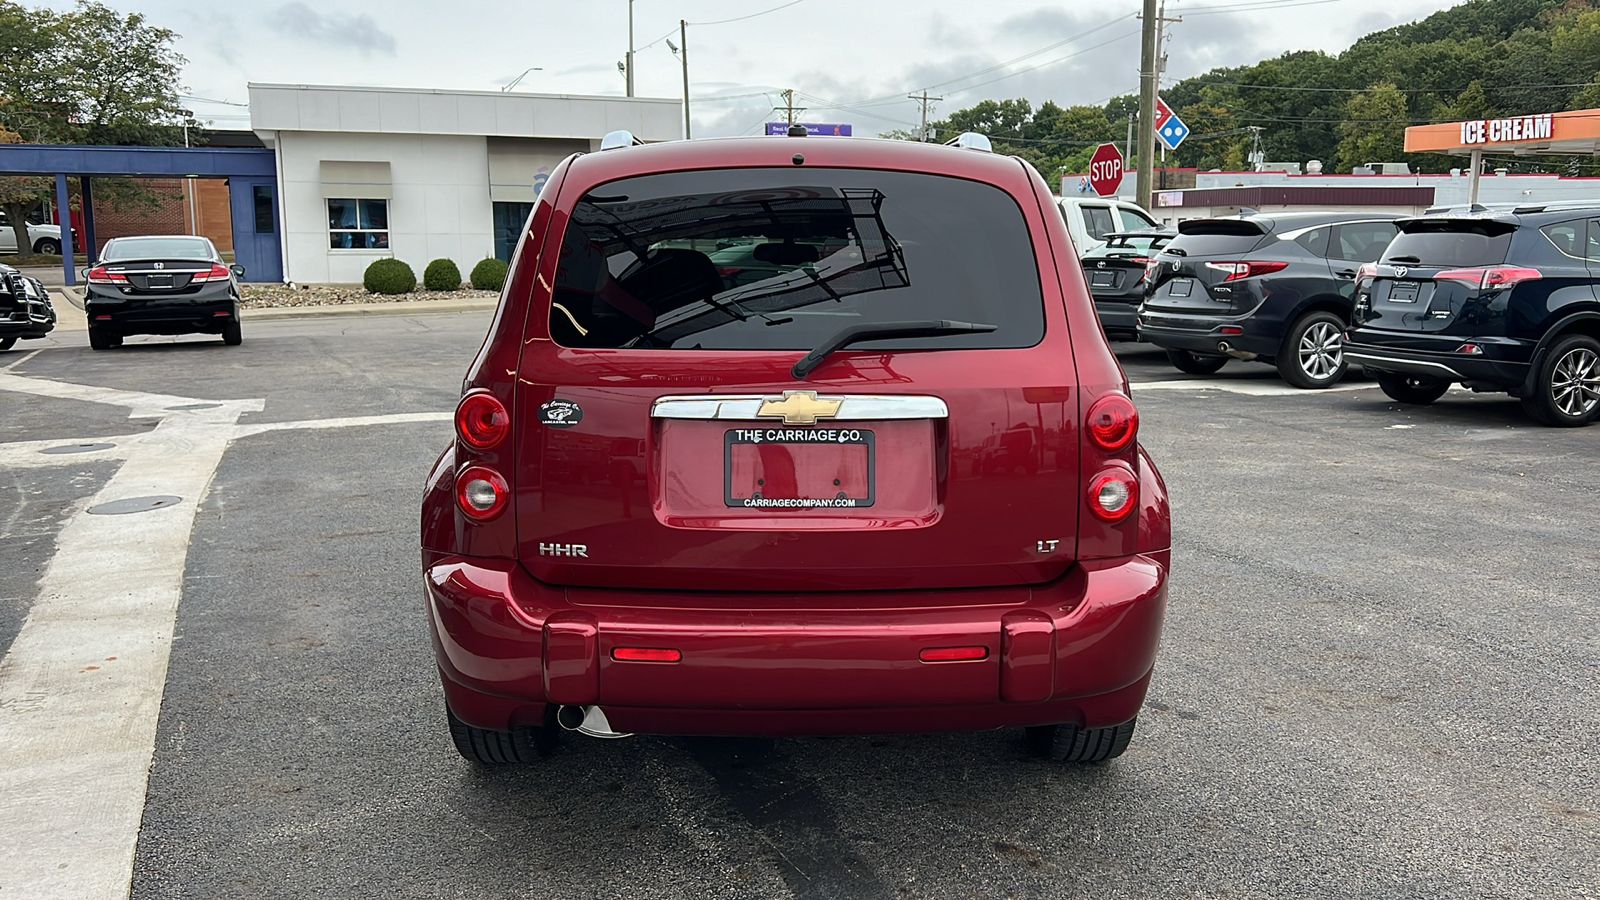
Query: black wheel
x=1417 y=389
x=231 y=334
x=500 y=748
x=1566 y=390
x=48 y=246
x=1313 y=351
x=1069 y=743
x=7 y=343
x=101 y=339
x=1194 y=363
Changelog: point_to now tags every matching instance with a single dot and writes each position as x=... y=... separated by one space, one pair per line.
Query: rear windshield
x=1130 y=245
x=1208 y=243
x=157 y=248
x=1451 y=244
x=782 y=259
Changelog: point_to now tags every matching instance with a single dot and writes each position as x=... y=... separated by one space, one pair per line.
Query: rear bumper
x=1503 y=362
x=1202 y=334
x=1078 y=650
x=206 y=311
x=1119 y=318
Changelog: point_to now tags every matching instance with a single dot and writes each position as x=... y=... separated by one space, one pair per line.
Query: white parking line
x=1248 y=388
x=81 y=687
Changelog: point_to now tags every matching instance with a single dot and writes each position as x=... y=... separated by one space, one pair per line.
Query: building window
x=264 y=216
x=509 y=221
x=358 y=224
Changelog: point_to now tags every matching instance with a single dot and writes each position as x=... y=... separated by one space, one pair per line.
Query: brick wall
x=171 y=214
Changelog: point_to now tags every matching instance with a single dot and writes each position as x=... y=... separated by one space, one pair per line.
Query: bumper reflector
x=645 y=654
x=1230 y=329
x=953 y=654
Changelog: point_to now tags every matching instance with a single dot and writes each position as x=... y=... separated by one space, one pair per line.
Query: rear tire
x=1069 y=743
x=231 y=334
x=1566 y=390
x=1416 y=389
x=1194 y=363
x=101 y=339
x=1313 y=352
x=7 y=344
x=48 y=247
x=522 y=744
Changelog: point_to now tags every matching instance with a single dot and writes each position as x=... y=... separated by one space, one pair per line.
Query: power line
x=1251 y=7
x=1438 y=90
x=751 y=16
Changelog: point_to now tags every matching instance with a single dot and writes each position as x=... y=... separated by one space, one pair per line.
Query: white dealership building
x=366 y=172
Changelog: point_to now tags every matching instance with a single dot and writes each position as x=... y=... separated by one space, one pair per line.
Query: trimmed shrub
x=389 y=276
x=441 y=275
x=489 y=274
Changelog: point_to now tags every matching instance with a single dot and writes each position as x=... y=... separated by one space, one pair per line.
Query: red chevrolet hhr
x=782 y=436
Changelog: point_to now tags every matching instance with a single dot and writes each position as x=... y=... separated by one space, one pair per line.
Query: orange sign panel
x=1581 y=125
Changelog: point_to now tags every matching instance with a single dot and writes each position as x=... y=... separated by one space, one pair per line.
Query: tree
x=1373 y=129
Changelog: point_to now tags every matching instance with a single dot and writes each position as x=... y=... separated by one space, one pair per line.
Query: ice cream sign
x=1515 y=128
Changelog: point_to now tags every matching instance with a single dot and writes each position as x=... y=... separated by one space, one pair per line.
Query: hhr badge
x=564 y=550
x=800 y=407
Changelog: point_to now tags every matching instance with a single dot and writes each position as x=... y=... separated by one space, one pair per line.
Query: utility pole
x=788 y=106
x=630 y=48
x=683 y=54
x=1152 y=60
x=923 y=99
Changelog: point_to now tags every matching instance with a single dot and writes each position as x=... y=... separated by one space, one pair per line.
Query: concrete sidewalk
x=68 y=303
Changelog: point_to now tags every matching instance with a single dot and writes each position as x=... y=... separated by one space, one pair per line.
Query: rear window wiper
x=874 y=330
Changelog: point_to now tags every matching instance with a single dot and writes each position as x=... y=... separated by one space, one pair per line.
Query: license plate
x=158 y=281
x=1403 y=293
x=798 y=468
x=1180 y=287
x=1102 y=279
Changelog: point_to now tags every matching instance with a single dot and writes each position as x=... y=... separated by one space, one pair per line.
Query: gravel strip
x=268 y=296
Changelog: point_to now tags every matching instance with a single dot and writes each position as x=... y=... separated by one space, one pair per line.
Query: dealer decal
x=799 y=435
x=560 y=413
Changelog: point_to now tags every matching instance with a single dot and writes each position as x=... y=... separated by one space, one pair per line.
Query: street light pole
x=683 y=39
x=630 y=48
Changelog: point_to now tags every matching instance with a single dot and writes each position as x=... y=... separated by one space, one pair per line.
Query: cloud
x=361 y=32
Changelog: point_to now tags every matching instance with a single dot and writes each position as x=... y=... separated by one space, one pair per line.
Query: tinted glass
x=1098 y=220
x=783 y=259
x=1315 y=241
x=1458 y=243
x=263 y=201
x=1132 y=218
x=1132 y=245
x=1569 y=238
x=1364 y=241
x=1206 y=244
x=157 y=248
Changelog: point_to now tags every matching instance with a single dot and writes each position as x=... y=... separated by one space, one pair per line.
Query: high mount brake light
x=1113 y=494
x=482 y=421
x=1233 y=271
x=481 y=493
x=1112 y=422
x=1490 y=278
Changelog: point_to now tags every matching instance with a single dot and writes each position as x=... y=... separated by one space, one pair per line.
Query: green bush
x=489 y=275
x=389 y=276
x=441 y=275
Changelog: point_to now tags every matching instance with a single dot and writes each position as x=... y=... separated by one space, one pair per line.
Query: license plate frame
x=161 y=282
x=789 y=437
x=1180 y=287
x=1102 y=279
x=1405 y=292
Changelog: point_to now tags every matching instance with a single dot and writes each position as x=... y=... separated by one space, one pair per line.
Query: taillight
x=217 y=273
x=482 y=421
x=1112 y=423
x=1114 y=493
x=1490 y=278
x=481 y=492
x=1367 y=270
x=1150 y=268
x=1233 y=271
x=99 y=275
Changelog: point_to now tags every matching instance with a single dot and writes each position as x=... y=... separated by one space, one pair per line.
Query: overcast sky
x=853 y=60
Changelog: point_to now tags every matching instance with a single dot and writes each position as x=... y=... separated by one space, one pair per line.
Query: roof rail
x=618 y=139
x=971 y=140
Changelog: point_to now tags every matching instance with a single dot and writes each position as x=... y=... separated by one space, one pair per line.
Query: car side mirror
x=83 y=273
x=237 y=270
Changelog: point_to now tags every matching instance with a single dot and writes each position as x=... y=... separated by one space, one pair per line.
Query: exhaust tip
x=570 y=717
x=588 y=720
x=1222 y=347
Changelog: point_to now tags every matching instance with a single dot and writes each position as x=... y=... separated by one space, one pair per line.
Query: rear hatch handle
x=874 y=330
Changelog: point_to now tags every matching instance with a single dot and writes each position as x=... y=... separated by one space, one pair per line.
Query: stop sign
x=1105 y=169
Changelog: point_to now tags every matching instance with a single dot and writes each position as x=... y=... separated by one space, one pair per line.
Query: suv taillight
x=1233 y=271
x=1114 y=493
x=482 y=421
x=1112 y=426
x=482 y=425
x=481 y=492
x=1113 y=422
x=1489 y=278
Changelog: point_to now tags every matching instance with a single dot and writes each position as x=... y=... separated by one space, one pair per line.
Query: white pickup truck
x=1090 y=219
x=42 y=238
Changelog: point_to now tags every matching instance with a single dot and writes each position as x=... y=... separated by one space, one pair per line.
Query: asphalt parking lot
x=1378 y=677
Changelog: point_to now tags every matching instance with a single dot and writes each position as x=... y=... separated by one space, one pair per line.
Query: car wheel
x=522 y=744
x=1313 y=353
x=7 y=343
x=231 y=335
x=1069 y=743
x=1567 y=384
x=1420 y=390
x=1194 y=363
x=101 y=339
x=48 y=246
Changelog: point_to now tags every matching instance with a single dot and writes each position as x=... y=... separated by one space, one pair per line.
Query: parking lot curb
x=366 y=309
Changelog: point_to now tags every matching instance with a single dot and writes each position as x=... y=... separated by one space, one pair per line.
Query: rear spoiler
x=1239 y=227
x=1486 y=225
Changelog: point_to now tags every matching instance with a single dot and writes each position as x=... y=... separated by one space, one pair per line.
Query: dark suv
x=891 y=484
x=1497 y=301
x=1276 y=288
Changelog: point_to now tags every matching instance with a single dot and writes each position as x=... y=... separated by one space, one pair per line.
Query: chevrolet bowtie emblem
x=800 y=407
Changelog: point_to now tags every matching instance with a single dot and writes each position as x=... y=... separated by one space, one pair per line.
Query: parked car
x=1501 y=301
x=1090 y=220
x=806 y=547
x=25 y=310
x=1277 y=288
x=45 y=239
x=1116 y=271
x=169 y=284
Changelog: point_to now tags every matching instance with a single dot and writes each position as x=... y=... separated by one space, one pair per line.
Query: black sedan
x=1116 y=278
x=161 y=285
x=25 y=310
